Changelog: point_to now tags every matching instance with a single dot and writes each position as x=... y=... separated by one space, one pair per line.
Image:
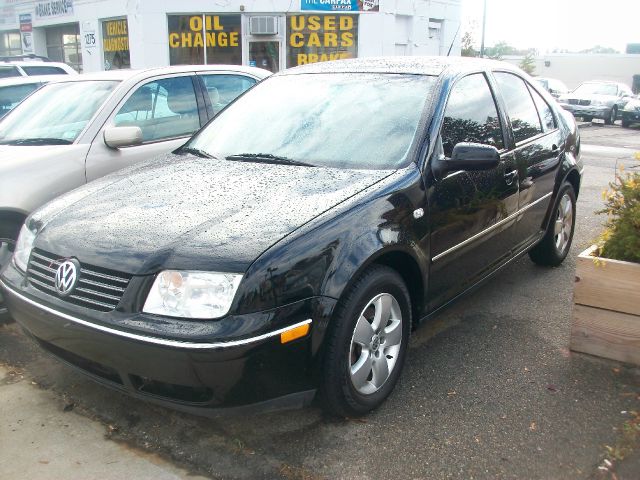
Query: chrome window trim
x=490 y=229
x=154 y=340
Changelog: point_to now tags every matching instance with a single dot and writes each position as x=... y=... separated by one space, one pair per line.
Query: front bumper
x=587 y=110
x=194 y=372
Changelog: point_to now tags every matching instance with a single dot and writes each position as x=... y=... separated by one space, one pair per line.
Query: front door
x=265 y=54
x=263 y=43
x=167 y=112
x=471 y=212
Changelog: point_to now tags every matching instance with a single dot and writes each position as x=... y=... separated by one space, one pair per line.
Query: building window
x=10 y=44
x=115 y=44
x=63 y=45
x=204 y=39
x=435 y=29
x=319 y=38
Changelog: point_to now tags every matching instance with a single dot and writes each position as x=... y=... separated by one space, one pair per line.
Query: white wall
x=574 y=69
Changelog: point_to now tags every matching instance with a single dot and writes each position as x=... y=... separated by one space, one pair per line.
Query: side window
x=44 y=70
x=162 y=109
x=223 y=89
x=6 y=72
x=546 y=115
x=520 y=107
x=471 y=115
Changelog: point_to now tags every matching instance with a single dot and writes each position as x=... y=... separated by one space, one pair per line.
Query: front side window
x=360 y=121
x=223 y=89
x=55 y=114
x=162 y=109
x=520 y=107
x=12 y=95
x=471 y=115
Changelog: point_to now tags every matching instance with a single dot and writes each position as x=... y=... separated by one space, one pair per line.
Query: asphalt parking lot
x=490 y=390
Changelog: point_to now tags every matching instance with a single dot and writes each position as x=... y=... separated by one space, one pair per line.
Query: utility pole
x=484 y=25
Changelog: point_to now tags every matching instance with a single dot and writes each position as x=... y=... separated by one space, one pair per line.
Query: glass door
x=265 y=54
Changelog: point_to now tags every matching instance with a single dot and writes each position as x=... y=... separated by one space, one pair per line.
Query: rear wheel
x=554 y=246
x=367 y=343
x=626 y=123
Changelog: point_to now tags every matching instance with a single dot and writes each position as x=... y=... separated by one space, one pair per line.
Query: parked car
x=292 y=244
x=15 y=90
x=596 y=100
x=631 y=112
x=552 y=85
x=27 y=67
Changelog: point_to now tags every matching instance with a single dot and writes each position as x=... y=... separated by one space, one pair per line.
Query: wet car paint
x=298 y=234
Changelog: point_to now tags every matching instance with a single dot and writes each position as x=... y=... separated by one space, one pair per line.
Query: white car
x=80 y=127
x=28 y=68
x=597 y=99
x=15 y=89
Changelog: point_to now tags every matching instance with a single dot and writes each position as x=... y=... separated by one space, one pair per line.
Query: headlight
x=24 y=245
x=200 y=295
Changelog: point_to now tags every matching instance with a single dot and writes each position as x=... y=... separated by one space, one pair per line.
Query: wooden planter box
x=606 y=311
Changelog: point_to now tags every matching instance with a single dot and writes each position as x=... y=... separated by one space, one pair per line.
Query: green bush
x=621 y=238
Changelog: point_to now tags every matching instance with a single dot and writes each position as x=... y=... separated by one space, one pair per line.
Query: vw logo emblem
x=66 y=277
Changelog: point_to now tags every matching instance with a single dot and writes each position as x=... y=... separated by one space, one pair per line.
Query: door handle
x=509 y=177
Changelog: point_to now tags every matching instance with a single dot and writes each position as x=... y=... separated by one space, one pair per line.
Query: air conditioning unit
x=264 y=25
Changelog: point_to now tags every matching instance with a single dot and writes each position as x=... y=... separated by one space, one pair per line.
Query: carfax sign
x=341 y=5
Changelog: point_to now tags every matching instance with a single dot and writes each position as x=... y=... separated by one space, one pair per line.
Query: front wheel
x=554 y=246
x=611 y=118
x=366 y=343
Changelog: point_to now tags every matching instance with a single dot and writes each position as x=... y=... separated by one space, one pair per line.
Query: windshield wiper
x=196 y=151
x=36 y=141
x=267 y=158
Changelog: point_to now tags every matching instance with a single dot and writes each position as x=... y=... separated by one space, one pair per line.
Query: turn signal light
x=294 y=333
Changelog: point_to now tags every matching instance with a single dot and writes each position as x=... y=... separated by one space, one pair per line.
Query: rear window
x=44 y=70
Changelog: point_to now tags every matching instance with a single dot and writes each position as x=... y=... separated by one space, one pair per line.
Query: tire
x=8 y=235
x=611 y=118
x=625 y=123
x=587 y=119
x=357 y=350
x=554 y=247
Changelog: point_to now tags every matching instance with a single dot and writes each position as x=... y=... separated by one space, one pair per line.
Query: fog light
x=294 y=333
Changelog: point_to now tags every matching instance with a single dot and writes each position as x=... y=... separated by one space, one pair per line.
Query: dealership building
x=94 y=35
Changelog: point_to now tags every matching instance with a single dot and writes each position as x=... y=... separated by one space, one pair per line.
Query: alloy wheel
x=375 y=344
x=563 y=224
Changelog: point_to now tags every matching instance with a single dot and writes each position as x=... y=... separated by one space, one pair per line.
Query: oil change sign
x=211 y=31
x=320 y=38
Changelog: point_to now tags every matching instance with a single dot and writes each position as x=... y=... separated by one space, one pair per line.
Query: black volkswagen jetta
x=292 y=244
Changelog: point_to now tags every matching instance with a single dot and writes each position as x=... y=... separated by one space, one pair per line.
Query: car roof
x=407 y=65
x=127 y=74
x=31 y=63
x=5 y=82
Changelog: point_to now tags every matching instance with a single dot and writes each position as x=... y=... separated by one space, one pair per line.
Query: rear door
x=539 y=144
x=470 y=212
x=168 y=110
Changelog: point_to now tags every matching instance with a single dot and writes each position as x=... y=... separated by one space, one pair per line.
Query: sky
x=550 y=24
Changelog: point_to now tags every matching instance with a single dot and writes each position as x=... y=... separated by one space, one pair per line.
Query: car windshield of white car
x=55 y=114
x=596 y=89
x=340 y=120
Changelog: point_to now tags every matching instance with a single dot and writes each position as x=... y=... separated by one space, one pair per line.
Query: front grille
x=576 y=101
x=97 y=288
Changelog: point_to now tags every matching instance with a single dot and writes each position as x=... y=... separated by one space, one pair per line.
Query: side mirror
x=473 y=156
x=116 y=137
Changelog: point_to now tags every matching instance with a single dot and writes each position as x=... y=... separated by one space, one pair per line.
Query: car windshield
x=55 y=114
x=596 y=89
x=359 y=121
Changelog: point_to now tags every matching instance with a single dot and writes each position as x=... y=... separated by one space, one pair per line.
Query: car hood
x=191 y=213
